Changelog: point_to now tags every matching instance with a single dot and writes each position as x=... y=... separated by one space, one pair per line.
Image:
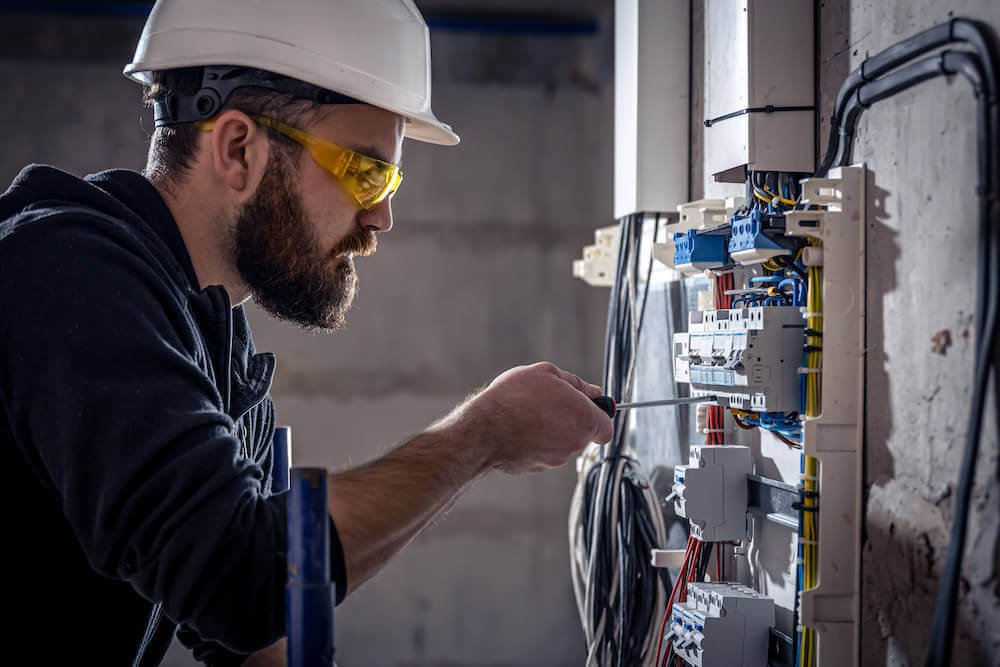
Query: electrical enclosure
x=760 y=54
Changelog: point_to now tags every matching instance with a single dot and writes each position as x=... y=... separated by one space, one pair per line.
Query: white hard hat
x=375 y=51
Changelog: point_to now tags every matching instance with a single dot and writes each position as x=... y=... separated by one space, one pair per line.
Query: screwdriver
x=609 y=406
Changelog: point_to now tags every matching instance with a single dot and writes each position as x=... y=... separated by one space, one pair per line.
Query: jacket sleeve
x=107 y=397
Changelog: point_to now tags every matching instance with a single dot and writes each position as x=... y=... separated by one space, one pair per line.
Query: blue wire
x=766 y=279
x=798 y=298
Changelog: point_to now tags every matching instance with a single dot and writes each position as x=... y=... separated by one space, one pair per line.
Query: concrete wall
x=474 y=278
x=922 y=243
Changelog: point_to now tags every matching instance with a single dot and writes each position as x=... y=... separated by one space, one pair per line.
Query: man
x=136 y=415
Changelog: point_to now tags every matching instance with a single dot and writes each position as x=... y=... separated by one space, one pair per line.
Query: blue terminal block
x=758 y=237
x=695 y=251
x=309 y=595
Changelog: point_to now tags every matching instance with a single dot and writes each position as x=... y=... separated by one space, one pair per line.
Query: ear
x=239 y=150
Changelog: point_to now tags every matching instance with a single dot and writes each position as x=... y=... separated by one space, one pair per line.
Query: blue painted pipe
x=282 y=459
x=309 y=594
x=512 y=24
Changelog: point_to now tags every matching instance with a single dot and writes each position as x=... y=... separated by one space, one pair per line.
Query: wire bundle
x=805 y=650
x=615 y=520
x=891 y=71
x=814 y=341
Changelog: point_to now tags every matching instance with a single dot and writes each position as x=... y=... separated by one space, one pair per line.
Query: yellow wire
x=790 y=202
x=814 y=305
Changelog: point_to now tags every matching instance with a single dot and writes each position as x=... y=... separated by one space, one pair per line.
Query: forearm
x=381 y=506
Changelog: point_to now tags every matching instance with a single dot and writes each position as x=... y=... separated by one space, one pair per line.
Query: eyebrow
x=372 y=151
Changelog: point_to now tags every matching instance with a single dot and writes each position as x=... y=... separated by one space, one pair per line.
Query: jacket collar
x=243 y=376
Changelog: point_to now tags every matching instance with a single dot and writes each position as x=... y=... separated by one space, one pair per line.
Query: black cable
x=649 y=274
x=626 y=528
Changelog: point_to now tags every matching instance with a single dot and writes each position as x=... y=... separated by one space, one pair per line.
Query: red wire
x=670 y=603
x=718 y=561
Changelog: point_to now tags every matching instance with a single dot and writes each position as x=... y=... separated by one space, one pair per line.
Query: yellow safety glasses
x=367 y=179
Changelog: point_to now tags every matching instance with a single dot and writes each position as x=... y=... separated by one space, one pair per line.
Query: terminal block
x=698 y=251
x=722 y=624
x=597 y=268
x=747 y=357
x=760 y=236
x=711 y=492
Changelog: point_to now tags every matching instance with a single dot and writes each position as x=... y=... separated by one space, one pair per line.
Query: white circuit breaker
x=722 y=624
x=747 y=357
x=711 y=492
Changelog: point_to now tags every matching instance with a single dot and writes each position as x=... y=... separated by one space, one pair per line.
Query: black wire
x=649 y=274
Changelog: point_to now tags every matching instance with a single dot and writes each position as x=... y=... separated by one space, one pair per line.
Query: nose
x=377 y=218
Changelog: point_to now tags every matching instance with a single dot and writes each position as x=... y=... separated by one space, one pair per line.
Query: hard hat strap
x=218 y=83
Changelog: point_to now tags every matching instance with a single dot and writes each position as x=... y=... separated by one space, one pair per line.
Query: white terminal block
x=722 y=624
x=711 y=492
x=597 y=268
x=747 y=357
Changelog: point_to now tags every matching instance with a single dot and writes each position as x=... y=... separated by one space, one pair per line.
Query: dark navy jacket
x=135 y=425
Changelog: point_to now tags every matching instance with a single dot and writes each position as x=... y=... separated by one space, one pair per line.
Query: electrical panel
x=711 y=492
x=759 y=93
x=722 y=624
x=747 y=357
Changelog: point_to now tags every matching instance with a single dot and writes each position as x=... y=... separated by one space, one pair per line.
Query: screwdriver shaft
x=666 y=401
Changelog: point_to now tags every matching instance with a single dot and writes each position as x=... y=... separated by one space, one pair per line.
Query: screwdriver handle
x=607 y=404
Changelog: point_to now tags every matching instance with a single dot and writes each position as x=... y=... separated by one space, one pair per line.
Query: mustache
x=361 y=242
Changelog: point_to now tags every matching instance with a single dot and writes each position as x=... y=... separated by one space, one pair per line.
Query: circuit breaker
x=747 y=357
x=711 y=492
x=722 y=624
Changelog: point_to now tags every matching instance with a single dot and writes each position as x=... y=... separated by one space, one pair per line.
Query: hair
x=173 y=148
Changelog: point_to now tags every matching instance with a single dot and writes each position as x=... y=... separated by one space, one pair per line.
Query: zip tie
x=805 y=371
x=808 y=315
x=809 y=542
x=714 y=430
x=805 y=476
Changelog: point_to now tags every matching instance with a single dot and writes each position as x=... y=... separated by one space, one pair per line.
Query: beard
x=281 y=260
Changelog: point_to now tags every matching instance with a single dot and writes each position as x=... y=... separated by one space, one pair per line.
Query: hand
x=532 y=418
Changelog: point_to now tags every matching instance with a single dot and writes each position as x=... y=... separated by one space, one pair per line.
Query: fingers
x=603 y=426
x=591 y=390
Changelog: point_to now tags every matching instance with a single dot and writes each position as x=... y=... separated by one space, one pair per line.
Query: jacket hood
x=117 y=193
